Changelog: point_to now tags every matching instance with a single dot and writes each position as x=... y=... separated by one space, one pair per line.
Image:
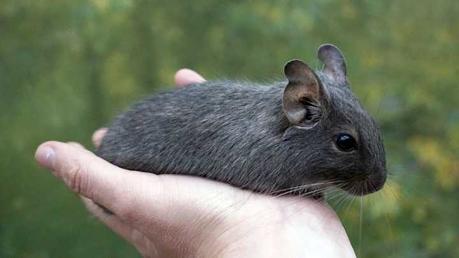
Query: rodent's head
x=344 y=144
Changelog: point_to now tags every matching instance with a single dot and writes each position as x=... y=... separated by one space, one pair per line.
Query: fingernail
x=45 y=156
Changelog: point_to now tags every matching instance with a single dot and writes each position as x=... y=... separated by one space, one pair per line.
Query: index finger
x=98 y=135
x=185 y=76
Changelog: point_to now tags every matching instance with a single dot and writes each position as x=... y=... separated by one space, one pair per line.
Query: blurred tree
x=67 y=67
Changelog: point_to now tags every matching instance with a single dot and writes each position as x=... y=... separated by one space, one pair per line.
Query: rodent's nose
x=377 y=179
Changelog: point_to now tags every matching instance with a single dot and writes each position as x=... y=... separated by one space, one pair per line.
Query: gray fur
x=238 y=133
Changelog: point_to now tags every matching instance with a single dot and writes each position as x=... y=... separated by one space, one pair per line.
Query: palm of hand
x=182 y=216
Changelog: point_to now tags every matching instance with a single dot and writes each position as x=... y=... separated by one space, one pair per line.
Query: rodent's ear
x=303 y=95
x=334 y=63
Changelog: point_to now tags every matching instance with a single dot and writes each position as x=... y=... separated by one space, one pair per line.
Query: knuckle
x=77 y=179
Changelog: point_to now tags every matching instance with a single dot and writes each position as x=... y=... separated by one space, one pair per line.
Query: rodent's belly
x=223 y=156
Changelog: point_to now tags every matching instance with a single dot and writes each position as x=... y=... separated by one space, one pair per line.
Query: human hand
x=184 y=216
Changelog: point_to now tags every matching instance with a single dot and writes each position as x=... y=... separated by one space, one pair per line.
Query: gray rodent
x=308 y=130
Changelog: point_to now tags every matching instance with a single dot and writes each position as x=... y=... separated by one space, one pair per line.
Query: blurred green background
x=67 y=67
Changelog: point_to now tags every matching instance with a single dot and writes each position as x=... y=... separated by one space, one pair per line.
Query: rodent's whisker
x=345 y=197
x=332 y=195
x=318 y=189
x=326 y=191
x=339 y=202
x=359 y=249
x=300 y=187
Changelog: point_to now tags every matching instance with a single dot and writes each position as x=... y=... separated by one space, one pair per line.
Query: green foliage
x=66 y=67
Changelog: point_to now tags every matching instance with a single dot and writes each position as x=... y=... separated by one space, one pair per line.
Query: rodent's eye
x=346 y=142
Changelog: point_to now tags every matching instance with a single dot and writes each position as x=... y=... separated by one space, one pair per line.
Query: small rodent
x=307 y=130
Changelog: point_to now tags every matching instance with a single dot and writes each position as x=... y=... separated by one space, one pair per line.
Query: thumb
x=83 y=172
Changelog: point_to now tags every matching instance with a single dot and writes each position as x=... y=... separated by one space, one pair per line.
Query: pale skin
x=183 y=216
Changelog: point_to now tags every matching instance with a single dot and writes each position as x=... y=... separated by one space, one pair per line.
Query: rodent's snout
x=374 y=182
x=377 y=180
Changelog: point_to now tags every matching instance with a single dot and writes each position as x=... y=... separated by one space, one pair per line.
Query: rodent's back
x=229 y=131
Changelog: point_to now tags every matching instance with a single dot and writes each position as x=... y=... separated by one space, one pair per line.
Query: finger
x=76 y=145
x=185 y=76
x=88 y=175
x=98 y=136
